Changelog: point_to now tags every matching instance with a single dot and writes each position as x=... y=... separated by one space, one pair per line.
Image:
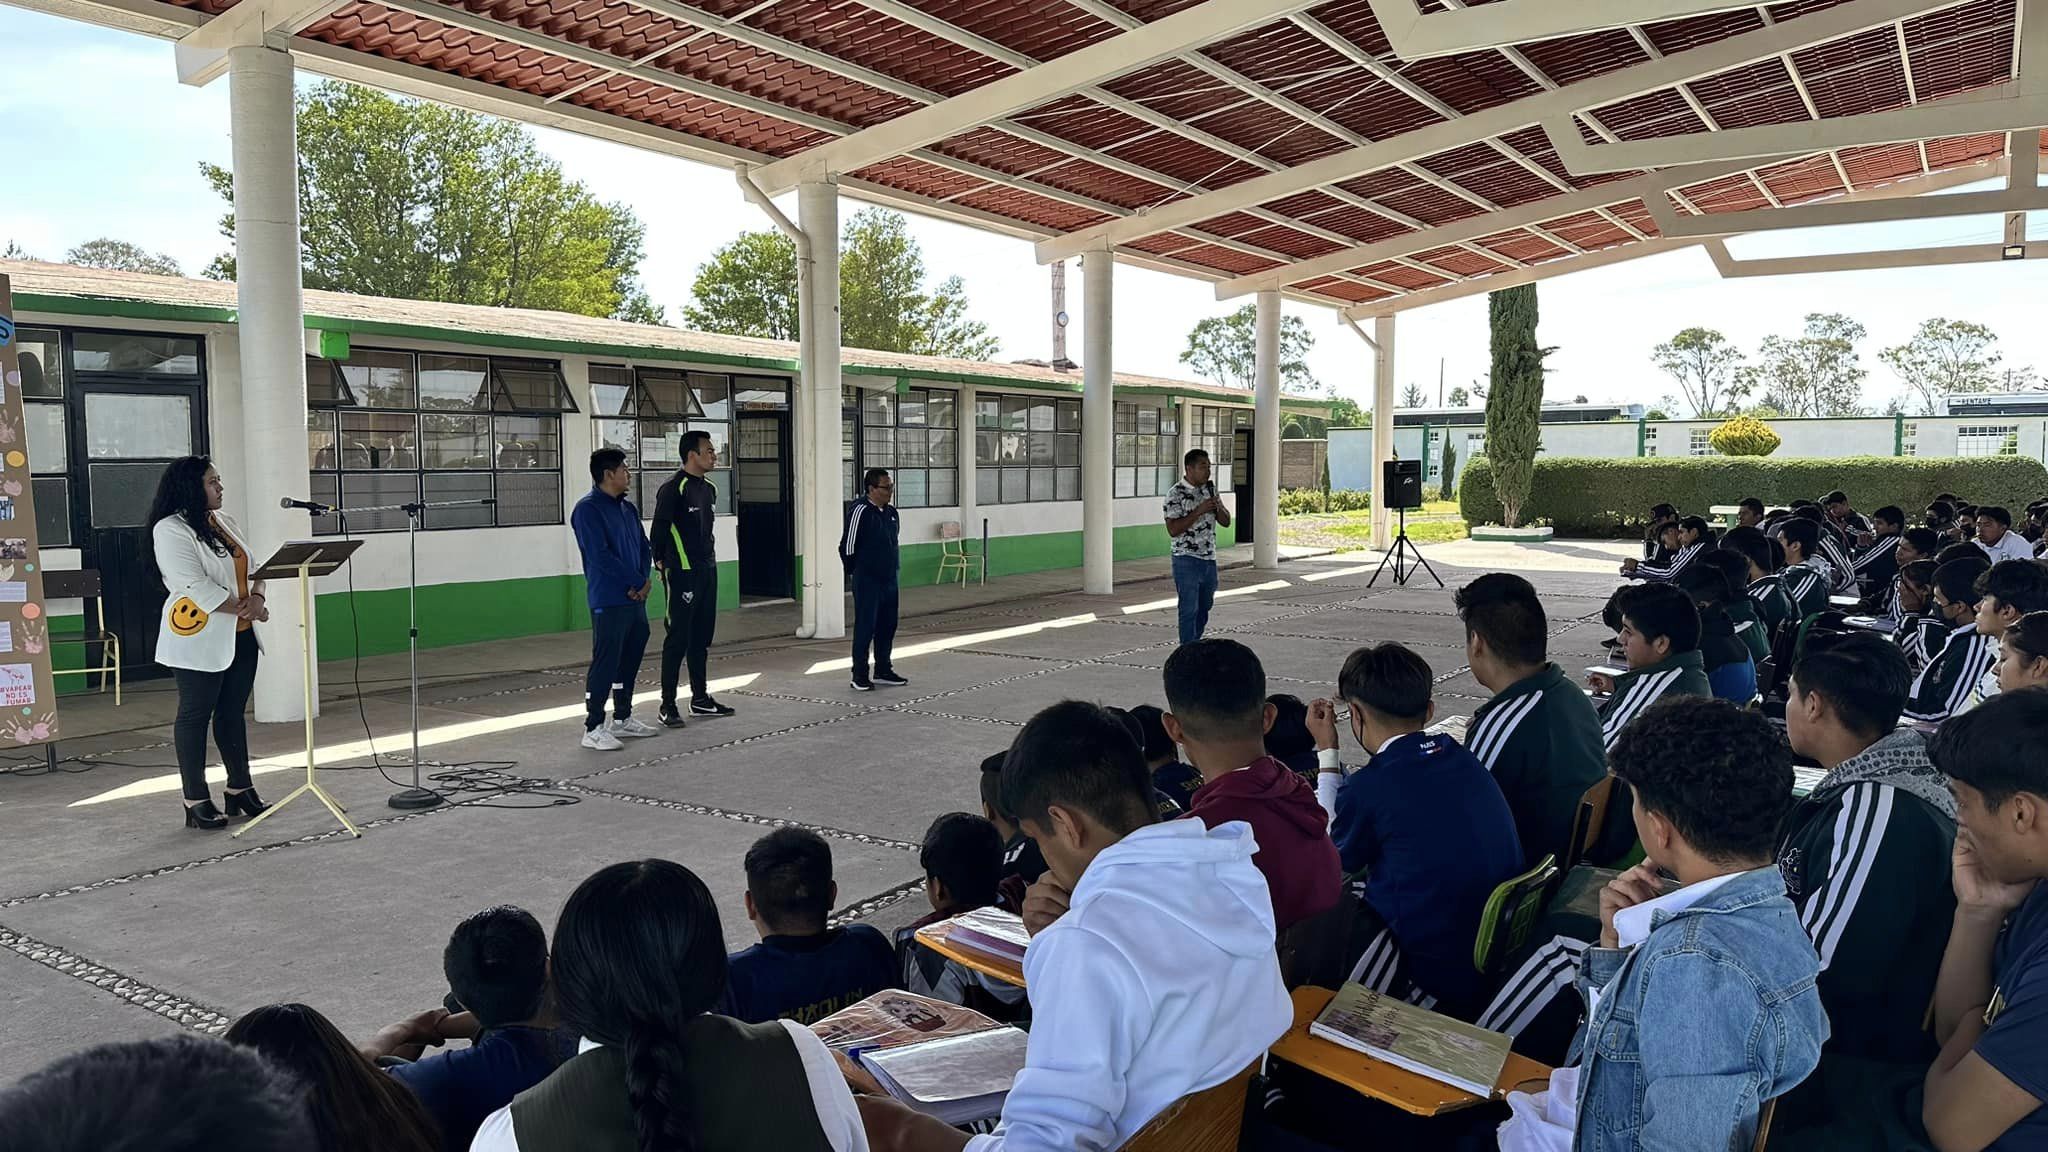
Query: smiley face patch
x=187 y=618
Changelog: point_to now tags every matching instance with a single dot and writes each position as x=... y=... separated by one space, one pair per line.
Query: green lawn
x=1436 y=523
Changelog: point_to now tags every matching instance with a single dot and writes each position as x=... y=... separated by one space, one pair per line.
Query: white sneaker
x=600 y=739
x=633 y=727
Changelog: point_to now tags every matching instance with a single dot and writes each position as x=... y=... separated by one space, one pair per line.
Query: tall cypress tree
x=1514 y=402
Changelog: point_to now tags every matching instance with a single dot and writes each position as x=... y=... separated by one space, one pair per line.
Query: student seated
x=1731 y=672
x=351 y=1104
x=801 y=970
x=2023 y=653
x=496 y=964
x=2006 y=592
x=1952 y=680
x=639 y=966
x=1736 y=604
x=1987 y=1086
x=1864 y=859
x=1915 y=545
x=1700 y=1001
x=1878 y=562
x=1846 y=519
x=1807 y=577
x=1659 y=546
x=1216 y=696
x=962 y=858
x=1539 y=735
x=1423 y=821
x=1288 y=740
x=1693 y=537
x=1162 y=758
x=1660 y=638
x=1833 y=551
x=1921 y=631
x=1766 y=587
x=1169 y=808
x=170 y=1094
x=1152 y=968
x=1996 y=537
x=1749 y=512
x=1023 y=864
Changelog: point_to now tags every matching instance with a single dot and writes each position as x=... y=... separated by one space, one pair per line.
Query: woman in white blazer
x=207 y=637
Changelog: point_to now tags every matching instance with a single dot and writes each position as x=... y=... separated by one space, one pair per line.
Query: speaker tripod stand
x=1405 y=557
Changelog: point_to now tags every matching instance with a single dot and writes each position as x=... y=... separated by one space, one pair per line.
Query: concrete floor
x=117 y=922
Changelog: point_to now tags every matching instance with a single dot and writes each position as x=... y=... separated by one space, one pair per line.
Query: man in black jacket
x=1863 y=858
x=688 y=559
x=867 y=548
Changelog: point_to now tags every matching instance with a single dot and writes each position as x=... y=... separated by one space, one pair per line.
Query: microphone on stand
x=310 y=506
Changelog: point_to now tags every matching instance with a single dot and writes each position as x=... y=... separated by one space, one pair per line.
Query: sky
x=106 y=142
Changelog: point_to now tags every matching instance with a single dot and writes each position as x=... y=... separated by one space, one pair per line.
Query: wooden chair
x=1590 y=822
x=85 y=585
x=1511 y=914
x=1211 y=1120
x=1763 y=1125
x=953 y=554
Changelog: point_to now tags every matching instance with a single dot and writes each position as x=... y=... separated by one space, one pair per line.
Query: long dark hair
x=638 y=954
x=181 y=492
x=354 y=1106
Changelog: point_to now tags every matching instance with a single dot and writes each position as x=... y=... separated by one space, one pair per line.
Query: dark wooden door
x=1241 y=474
x=122 y=437
x=764 y=505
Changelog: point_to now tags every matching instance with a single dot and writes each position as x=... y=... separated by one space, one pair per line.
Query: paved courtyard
x=116 y=922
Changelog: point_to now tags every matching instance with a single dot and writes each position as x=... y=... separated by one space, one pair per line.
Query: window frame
x=1028 y=447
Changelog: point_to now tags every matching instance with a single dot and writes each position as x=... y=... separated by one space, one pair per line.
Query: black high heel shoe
x=204 y=815
x=245 y=803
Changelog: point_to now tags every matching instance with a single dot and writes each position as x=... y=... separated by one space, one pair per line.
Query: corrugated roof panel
x=1731 y=195
x=1431 y=205
x=1461 y=262
x=1281 y=56
x=1366 y=105
x=1471 y=81
x=1085 y=122
x=1803 y=180
x=1942 y=69
x=735 y=66
x=1571 y=59
x=1385 y=182
x=667 y=108
x=867 y=37
x=1175 y=88
x=1881 y=163
x=1679 y=35
x=404 y=37
x=1184 y=161
x=1412 y=279
x=1033 y=209
x=999 y=150
x=1634 y=212
x=1041 y=31
x=917 y=176
x=1263 y=129
x=1860 y=74
x=1361 y=224
x=1234 y=224
x=1964 y=150
x=1663 y=112
x=1526 y=247
x=608 y=27
x=1095 y=181
x=1226 y=260
x=1293 y=242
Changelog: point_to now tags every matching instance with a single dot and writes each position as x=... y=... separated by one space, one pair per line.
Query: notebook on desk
x=959 y=1079
x=990 y=931
x=1423 y=1042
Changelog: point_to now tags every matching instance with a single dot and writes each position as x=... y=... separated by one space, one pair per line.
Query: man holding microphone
x=1192 y=513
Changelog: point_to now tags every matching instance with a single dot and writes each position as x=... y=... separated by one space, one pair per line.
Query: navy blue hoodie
x=616 y=557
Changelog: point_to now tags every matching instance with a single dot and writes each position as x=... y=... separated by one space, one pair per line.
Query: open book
x=1423 y=1042
x=990 y=930
x=895 y=1018
x=959 y=1079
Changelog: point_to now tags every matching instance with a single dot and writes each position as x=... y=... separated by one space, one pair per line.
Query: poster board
x=28 y=693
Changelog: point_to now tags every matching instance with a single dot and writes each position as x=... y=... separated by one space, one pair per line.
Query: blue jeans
x=1194 y=580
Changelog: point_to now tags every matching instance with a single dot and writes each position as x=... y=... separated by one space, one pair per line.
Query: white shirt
x=830 y=1098
x=2011 y=546
x=1545 y=1121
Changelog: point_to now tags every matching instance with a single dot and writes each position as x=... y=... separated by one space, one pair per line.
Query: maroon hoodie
x=1293 y=833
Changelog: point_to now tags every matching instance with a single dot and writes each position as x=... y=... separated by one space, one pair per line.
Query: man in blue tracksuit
x=616 y=559
x=867 y=548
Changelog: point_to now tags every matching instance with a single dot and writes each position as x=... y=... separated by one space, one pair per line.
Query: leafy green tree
x=1706 y=367
x=1459 y=398
x=419 y=201
x=1514 y=401
x=748 y=288
x=1744 y=436
x=1346 y=413
x=1817 y=373
x=121 y=256
x=1945 y=357
x=1224 y=349
x=1449 y=483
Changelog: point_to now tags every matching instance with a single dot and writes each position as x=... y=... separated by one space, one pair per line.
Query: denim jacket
x=1713 y=1014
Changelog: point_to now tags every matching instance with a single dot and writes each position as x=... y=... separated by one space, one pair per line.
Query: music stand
x=305 y=559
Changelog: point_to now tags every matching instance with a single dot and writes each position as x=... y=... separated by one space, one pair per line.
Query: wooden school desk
x=1377 y=1079
x=933 y=936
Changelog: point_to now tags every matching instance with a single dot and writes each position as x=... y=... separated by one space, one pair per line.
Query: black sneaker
x=891 y=679
x=671 y=718
x=861 y=684
x=706 y=706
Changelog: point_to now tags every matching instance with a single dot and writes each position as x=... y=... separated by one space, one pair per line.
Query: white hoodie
x=1160 y=980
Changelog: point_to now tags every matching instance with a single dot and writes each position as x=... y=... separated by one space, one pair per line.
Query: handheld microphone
x=308 y=505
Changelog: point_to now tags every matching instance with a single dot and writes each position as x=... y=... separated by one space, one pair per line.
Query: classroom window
x=644 y=412
x=387 y=426
x=41 y=352
x=1027 y=449
x=1909 y=440
x=915 y=434
x=1699 y=444
x=1987 y=440
x=1214 y=430
x=1147 y=448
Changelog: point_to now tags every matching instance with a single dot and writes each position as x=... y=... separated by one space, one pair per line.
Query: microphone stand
x=416 y=796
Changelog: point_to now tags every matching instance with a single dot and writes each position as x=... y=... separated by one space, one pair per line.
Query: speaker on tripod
x=1401 y=488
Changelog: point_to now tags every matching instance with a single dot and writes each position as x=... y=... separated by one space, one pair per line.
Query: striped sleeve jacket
x=1879 y=564
x=1865 y=866
x=1952 y=681
x=1660 y=573
x=1540 y=738
x=1920 y=637
x=1842 y=569
x=1682 y=675
x=1807 y=587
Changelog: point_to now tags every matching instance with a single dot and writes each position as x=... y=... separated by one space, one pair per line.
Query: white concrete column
x=820 y=506
x=1265 y=476
x=1098 y=426
x=970 y=511
x=269 y=302
x=1382 y=426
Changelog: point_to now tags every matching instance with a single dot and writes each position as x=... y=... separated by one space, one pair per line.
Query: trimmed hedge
x=1307 y=501
x=1587 y=497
